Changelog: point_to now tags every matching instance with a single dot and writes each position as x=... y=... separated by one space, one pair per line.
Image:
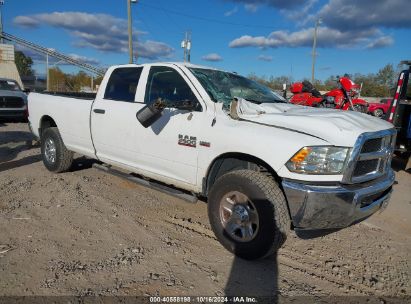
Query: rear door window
x=122 y=84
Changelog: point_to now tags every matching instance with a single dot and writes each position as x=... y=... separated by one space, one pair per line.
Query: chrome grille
x=370 y=157
x=372 y=145
x=365 y=167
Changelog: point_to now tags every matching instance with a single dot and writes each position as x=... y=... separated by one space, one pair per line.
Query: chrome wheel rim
x=378 y=113
x=239 y=216
x=50 y=150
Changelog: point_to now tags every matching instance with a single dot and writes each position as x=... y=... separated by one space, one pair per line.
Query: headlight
x=319 y=160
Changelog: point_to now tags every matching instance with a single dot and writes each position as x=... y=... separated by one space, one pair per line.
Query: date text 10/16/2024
x=201 y=299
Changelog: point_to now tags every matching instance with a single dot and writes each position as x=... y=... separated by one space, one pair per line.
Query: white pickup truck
x=264 y=165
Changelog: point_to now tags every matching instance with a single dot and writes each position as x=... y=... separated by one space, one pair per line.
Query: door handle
x=99 y=111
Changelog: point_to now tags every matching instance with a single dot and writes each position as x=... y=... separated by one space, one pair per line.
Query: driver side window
x=166 y=83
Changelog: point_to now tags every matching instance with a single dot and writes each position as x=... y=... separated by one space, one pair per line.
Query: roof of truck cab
x=185 y=64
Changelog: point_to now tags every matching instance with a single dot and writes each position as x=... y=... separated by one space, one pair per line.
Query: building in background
x=8 y=68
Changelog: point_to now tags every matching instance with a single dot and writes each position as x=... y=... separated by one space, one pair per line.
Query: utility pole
x=186 y=45
x=130 y=30
x=47 y=73
x=317 y=23
x=1 y=21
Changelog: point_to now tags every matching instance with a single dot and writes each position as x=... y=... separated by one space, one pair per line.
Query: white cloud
x=251 y=7
x=346 y=23
x=280 y=4
x=231 y=12
x=354 y=14
x=327 y=37
x=380 y=42
x=98 y=31
x=26 y=21
x=212 y=57
x=301 y=15
x=265 y=58
x=153 y=50
x=89 y=60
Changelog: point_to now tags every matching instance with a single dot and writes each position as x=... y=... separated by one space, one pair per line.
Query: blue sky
x=265 y=37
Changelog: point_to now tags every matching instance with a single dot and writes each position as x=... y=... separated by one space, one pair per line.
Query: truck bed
x=70 y=112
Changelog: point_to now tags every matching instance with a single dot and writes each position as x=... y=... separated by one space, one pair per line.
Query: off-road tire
x=64 y=157
x=269 y=200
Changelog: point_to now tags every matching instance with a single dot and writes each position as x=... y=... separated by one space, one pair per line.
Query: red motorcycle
x=345 y=97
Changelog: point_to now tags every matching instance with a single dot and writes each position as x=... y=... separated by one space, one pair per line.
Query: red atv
x=344 y=97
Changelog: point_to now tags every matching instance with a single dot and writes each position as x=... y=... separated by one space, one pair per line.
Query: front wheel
x=248 y=214
x=378 y=113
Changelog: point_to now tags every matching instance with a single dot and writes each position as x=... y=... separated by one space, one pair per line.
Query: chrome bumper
x=314 y=207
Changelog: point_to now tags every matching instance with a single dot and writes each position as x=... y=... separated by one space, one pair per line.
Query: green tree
x=386 y=76
x=58 y=80
x=23 y=64
x=330 y=83
x=63 y=82
x=371 y=87
x=276 y=83
x=79 y=80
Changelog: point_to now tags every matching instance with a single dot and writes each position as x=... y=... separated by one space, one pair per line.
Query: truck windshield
x=223 y=87
x=9 y=85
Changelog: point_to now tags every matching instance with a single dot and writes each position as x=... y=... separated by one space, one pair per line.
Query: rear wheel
x=56 y=157
x=378 y=113
x=248 y=214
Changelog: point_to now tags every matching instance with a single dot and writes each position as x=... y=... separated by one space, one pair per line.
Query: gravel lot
x=89 y=233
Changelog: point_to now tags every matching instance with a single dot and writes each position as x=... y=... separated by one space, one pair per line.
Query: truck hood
x=337 y=127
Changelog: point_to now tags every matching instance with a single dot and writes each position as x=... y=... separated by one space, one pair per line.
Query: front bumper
x=315 y=207
x=13 y=113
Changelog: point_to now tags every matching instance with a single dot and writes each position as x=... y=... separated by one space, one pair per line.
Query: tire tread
x=64 y=157
x=273 y=194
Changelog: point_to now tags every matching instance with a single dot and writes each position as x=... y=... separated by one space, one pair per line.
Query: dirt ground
x=89 y=233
